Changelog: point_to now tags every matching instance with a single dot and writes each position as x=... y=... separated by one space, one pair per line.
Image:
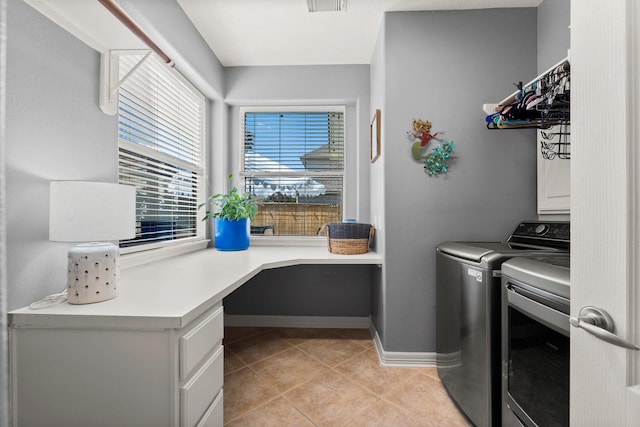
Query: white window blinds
x=161 y=149
x=293 y=161
x=293 y=142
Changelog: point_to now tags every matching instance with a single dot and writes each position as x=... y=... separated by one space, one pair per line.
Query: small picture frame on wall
x=374 y=137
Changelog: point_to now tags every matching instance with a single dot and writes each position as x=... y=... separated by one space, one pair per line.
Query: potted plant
x=231 y=213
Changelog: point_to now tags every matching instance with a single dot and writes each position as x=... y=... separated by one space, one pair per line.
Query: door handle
x=598 y=323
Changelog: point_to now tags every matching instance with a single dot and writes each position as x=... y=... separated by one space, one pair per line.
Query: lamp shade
x=82 y=211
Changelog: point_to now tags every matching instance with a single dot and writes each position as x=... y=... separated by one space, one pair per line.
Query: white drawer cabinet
x=200 y=341
x=78 y=376
x=150 y=357
x=200 y=391
x=214 y=416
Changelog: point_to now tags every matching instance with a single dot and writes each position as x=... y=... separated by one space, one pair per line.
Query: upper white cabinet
x=553 y=173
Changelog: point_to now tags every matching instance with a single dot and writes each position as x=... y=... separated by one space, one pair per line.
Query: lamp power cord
x=49 y=301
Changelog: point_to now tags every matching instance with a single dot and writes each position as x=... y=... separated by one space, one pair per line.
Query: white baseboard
x=412 y=359
x=297 y=321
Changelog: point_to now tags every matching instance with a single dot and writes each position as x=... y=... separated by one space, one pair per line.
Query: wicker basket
x=348 y=238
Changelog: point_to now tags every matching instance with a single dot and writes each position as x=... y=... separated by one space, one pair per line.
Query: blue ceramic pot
x=231 y=235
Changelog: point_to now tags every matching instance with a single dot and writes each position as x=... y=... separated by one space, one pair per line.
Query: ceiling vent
x=327 y=5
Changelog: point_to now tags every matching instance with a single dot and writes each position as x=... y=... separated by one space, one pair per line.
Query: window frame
x=145 y=252
x=300 y=240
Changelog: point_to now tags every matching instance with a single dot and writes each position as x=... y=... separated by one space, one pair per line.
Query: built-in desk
x=150 y=357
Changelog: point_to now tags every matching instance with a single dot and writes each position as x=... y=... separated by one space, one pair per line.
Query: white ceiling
x=283 y=32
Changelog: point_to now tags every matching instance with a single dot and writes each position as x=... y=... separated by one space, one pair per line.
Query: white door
x=605 y=208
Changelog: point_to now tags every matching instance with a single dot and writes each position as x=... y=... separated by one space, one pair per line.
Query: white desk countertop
x=169 y=294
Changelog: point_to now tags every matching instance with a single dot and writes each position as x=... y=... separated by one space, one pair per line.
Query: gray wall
x=314 y=290
x=294 y=291
x=55 y=131
x=442 y=66
x=312 y=85
x=553 y=32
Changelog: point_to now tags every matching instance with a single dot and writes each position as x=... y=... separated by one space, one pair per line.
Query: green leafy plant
x=232 y=206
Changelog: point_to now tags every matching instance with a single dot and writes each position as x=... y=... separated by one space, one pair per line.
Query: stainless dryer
x=468 y=313
x=535 y=341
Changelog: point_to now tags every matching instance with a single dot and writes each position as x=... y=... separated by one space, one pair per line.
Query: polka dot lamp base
x=93 y=273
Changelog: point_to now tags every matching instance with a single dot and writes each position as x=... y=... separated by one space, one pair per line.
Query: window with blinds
x=293 y=162
x=161 y=150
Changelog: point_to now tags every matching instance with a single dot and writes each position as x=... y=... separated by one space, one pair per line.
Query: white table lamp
x=98 y=213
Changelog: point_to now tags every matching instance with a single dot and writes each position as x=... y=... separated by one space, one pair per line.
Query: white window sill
x=157 y=254
x=262 y=240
